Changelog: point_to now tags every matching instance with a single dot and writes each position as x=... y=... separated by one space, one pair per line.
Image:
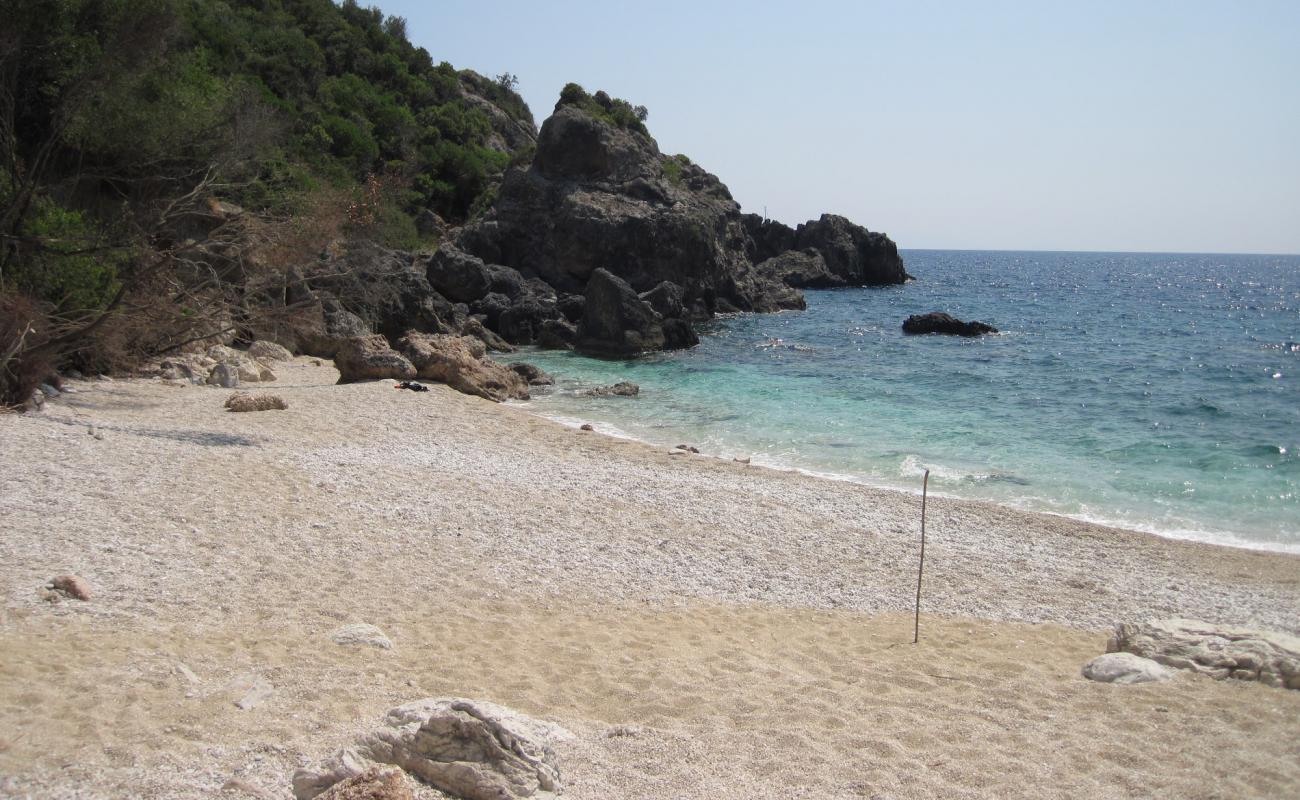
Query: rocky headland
x=602 y=244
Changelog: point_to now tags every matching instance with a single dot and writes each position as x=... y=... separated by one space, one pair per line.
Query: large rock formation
x=602 y=244
x=466 y=748
x=461 y=362
x=600 y=196
x=367 y=358
x=1270 y=657
x=615 y=321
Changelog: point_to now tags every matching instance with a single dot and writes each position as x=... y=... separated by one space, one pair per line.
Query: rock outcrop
x=466 y=748
x=615 y=321
x=535 y=376
x=461 y=362
x=600 y=196
x=1270 y=657
x=365 y=358
x=939 y=322
x=602 y=244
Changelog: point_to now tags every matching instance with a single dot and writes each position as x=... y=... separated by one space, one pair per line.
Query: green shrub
x=615 y=111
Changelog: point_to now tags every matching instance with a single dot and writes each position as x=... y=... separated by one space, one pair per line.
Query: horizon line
x=1096 y=252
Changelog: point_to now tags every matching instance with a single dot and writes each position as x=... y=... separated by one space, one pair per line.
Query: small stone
x=687 y=448
x=1125 y=668
x=255 y=690
x=360 y=633
x=49 y=391
x=34 y=403
x=73 y=586
x=587 y=426
x=744 y=460
x=187 y=673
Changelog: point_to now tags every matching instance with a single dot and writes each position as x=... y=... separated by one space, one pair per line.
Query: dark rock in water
x=852 y=253
x=805 y=269
x=620 y=389
x=615 y=321
x=939 y=322
x=587 y=426
x=688 y=448
x=667 y=301
x=534 y=375
x=368 y=358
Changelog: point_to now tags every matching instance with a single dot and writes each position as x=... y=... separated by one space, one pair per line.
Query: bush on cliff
x=613 y=110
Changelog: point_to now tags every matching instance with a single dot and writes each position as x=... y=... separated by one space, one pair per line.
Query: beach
x=704 y=628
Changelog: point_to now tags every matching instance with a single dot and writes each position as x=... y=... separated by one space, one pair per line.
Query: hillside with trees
x=158 y=156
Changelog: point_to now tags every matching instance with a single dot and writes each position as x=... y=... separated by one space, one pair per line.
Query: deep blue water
x=1155 y=391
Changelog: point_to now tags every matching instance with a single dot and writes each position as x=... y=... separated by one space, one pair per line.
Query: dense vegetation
x=614 y=110
x=126 y=124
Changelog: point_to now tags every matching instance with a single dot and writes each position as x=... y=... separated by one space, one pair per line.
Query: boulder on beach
x=1270 y=657
x=467 y=748
x=243 y=401
x=73 y=586
x=939 y=322
x=269 y=351
x=461 y=362
x=364 y=358
x=1125 y=668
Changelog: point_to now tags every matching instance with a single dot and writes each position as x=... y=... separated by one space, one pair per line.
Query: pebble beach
x=705 y=628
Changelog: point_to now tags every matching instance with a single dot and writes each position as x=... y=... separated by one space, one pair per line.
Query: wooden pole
x=916 y=629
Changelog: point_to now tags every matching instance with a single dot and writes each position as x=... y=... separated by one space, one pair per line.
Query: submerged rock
x=939 y=322
x=534 y=375
x=620 y=389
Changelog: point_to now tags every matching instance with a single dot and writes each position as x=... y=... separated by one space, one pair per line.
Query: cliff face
x=605 y=245
x=600 y=196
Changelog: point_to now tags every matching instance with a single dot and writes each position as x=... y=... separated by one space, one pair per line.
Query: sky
x=1130 y=126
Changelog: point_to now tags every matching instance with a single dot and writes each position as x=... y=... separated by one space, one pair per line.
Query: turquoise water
x=1157 y=392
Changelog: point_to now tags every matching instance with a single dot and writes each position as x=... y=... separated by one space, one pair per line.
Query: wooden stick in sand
x=916 y=629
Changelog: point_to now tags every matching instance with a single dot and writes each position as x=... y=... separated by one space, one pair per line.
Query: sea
x=1155 y=392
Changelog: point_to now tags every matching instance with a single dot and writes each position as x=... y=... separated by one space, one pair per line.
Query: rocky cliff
x=606 y=245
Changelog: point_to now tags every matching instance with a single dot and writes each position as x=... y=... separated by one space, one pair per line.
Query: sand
x=706 y=629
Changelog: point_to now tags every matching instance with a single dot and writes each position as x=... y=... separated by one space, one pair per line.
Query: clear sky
x=1169 y=126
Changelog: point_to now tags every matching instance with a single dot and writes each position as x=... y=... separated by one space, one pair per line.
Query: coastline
x=1216 y=538
x=747 y=624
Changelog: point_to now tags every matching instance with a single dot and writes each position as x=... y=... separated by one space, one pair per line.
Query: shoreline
x=703 y=627
x=1216 y=538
